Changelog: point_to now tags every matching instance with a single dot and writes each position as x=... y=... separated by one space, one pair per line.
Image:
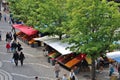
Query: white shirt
x=72 y=74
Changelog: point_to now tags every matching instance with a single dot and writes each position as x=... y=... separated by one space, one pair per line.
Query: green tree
x=24 y=10
x=48 y=15
x=52 y=16
x=91 y=27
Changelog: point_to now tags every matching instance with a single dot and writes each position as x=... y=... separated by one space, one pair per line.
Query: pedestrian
x=5 y=19
x=45 y=52
x=7 y=37
x=19 y=48
x=72 y=75
x=111 y=69
x=10 y=18
x=101 y=64
x=16 y=57
x=15 y=36
x=0 y=16
x=65 y=77
x=36 y=78
x=57 y=69
x=21 y=58
x=76 y=70
x=8 y=47
x=10 y=36
x=0 y=35
x=13 y=29
x=119 y=69
x=13 y=46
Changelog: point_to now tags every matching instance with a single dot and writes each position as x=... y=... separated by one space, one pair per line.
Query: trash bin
x=52 y=61
x=113 y=77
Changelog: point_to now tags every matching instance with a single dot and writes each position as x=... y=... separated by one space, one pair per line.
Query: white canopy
x=114 y=55
x=56 y=44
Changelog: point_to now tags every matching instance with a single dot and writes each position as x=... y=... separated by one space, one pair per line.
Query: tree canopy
x=46 y=15
x=92 y=27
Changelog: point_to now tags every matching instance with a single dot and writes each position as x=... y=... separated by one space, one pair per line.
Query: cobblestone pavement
x=5 y=75
x=35 y=63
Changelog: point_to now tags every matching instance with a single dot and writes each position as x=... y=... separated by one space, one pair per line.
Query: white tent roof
x=45 y=38
x=114 y=55
x=56 y=44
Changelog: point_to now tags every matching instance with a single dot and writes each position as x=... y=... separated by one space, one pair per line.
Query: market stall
x=25 y=29
x=59 y=53
x=26 y=33
x=56 y=44
x=75 y=60
x=114 y=56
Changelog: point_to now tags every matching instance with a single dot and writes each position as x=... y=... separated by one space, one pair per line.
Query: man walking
x=0 y=35
x=15 y=36
x=5 y=19
x=13 y=46
x=21 y=58
x=0 y=16
x=16 y=57
x=57 y=69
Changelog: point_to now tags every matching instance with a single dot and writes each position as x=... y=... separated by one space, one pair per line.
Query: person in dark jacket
x=16 y=57
x=13 y=46
x=0 y=35
x=7 y=37
x=15 y=36
x=10 y=36
x=119 y=69
x=19 y=48
x=0 y=16
x=21 y=58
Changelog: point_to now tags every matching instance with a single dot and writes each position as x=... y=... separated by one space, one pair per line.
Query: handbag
x=12 y=60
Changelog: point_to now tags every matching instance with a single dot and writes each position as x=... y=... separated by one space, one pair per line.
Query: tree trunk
x=60 y=37
x=93 y=69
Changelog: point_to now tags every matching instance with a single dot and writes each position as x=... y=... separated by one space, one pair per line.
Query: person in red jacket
x=8 y=47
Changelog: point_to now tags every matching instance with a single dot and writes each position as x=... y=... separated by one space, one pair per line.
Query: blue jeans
x=57 y=74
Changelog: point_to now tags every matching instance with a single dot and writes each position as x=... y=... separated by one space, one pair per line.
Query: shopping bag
x=12 y=60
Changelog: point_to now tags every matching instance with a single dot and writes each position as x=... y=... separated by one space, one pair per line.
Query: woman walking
x=72 y=75
x=8 y=47
x=21 y=58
